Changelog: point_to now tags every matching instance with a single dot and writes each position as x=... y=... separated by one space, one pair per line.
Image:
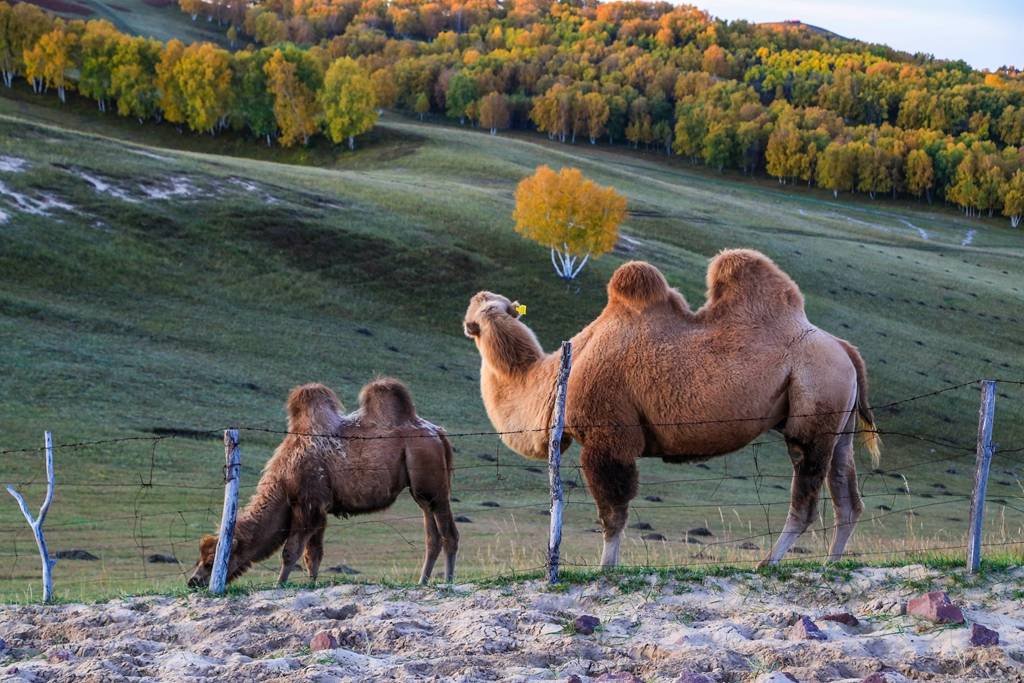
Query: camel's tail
x=865 y=417
x=449 y=457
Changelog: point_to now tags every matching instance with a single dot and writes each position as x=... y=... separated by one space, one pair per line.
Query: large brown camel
x=331 y=463
x=652 y=378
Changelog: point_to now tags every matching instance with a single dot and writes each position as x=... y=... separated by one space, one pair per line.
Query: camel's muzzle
x=198 y=581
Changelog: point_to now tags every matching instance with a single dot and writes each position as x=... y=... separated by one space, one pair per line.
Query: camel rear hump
x=745 y=278
x=387 y=401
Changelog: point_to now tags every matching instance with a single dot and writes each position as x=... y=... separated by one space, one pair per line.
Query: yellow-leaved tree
x=573 y=216
x=348 y=101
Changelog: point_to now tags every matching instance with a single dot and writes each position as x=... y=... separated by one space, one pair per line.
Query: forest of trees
x=280 y=92
x=798 y=104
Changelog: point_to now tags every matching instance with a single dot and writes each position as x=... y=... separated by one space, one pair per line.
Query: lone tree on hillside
x=348 y=101
x=575 y=217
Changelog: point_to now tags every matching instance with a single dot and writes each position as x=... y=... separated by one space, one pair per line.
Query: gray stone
x=619 y=677
x=692 y=677
x=340 y=613
x=76 y=554
x=983 y=637
x=805 y=629
x=585 y=624
x=157 y=558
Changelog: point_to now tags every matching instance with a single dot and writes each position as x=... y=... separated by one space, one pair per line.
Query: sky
x=983 y=33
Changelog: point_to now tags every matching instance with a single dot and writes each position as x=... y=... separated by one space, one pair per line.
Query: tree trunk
x=351 y=142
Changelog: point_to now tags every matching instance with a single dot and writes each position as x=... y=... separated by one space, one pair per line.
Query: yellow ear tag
x=521 y=309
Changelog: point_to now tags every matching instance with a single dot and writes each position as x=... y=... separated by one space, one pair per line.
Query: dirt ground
x=737 y=628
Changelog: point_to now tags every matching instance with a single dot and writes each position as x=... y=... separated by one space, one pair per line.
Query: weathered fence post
x=232 y=472
x=986 y=416
x=555 y=463
x=37 y=523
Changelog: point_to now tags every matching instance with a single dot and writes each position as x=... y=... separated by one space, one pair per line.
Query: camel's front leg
x=290 y=554
x=613 y=483
x=303 y=528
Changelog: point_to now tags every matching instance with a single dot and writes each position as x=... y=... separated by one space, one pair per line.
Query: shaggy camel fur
x=331 y=463
x=652 y=378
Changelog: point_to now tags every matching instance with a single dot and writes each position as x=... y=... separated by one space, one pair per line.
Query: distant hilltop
x=797 y=24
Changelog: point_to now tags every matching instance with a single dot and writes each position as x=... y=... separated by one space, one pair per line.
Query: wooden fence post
x=983 y=459
x=232 y=472
x=555 y=463
x=37 y=523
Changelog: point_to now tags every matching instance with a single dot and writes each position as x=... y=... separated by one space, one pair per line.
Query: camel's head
x=200 y=577
x=485 y=304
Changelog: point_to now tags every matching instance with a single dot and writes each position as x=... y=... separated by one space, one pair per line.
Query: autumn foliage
x=573 y=216
x=283 y=92
x=799 y=105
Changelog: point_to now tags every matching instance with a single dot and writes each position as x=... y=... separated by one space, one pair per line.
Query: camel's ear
x=471 y=328
x=513 y=309
x=208 y=545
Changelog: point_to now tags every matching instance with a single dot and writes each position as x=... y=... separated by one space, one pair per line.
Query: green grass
x=163 y=316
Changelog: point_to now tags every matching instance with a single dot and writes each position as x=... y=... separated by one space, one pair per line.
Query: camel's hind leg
x=449 y=538
x=810 y=463
x=612 y=477
x=842 y=484
x=432 y=542
x=314 y=552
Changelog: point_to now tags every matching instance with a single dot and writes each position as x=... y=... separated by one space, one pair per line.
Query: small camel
x=651 y=378
x=331 y=463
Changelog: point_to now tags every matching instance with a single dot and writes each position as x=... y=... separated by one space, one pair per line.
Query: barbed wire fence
x=128 y=512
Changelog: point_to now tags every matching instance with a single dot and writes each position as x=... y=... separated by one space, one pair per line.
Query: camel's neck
x=517 y=382
x=508 y=346
x=261 y=528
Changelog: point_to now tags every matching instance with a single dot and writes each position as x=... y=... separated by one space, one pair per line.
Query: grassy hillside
x=154 y=290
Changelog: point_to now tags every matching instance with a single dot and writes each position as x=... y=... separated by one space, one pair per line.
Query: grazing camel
x=652 y=378
x=331 y=463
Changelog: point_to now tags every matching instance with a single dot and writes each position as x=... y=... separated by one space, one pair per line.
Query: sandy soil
x=731 y=629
